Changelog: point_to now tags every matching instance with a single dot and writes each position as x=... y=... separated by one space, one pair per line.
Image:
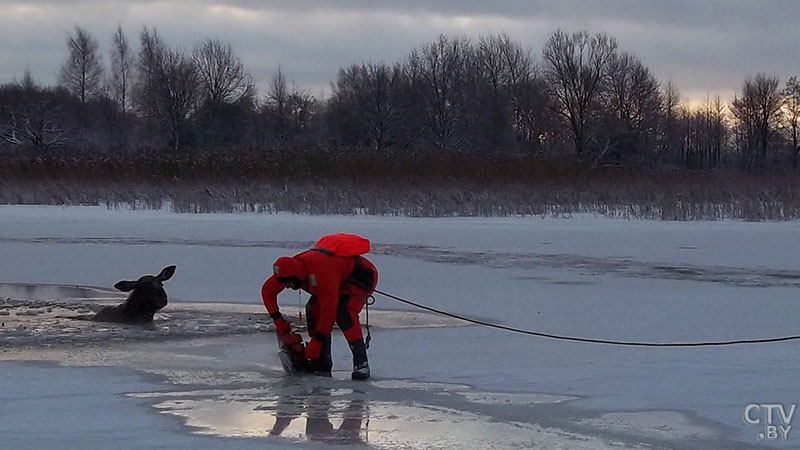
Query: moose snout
x=160 y=300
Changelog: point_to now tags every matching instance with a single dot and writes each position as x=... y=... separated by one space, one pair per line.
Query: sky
x=705 y=47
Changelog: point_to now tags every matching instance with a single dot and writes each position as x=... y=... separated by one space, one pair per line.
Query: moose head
x=147 y=296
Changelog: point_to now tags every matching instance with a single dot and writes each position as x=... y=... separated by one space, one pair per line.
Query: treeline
x=582 y=98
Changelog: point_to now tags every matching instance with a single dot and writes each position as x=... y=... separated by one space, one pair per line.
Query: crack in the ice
x=584 y=265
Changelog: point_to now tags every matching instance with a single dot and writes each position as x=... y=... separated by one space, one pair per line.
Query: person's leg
x=324 y=364
x=358 y=288
x=347 y=319
x=347 y=315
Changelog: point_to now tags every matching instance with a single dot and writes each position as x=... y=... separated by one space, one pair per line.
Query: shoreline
x=646 y=199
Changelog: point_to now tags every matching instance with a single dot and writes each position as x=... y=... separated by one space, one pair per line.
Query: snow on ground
x=441 y=387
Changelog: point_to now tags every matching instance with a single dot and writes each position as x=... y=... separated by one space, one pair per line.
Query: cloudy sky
x=706 y=47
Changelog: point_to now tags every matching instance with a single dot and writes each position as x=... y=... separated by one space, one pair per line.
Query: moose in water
x=147 y=296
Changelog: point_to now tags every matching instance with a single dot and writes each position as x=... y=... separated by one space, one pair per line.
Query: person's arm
x=269 y=295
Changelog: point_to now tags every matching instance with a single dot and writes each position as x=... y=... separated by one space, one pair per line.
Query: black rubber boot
x=360 y=363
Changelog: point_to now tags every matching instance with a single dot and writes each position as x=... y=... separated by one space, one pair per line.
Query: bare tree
x=490 y=91
x=507 y=102
x=491 y=61
x=634 y=93
x=791 y=116
x=122 y=59
x=575 y=66
x=438 y=73
x=82 y=71
x=35 y=125
x=227 y=96
x=27 y=82
x=758 y=115
x=168 y=85
x=221 y=73
x=632 y=100
x=148 y=68
x=10 y=131
x=719 y=130
x=534 y=121
x=527 y=94
x=367 y=104
x=670 y=128
x=43 y=133
x=302 y=109
x=276 y=106
x=179 y=91
x=706 y=134
x=288 y=112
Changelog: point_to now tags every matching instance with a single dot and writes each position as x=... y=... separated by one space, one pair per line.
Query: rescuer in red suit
x=340 y=281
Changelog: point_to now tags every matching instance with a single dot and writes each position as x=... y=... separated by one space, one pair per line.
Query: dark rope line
x=370 y=301
x=588 y=340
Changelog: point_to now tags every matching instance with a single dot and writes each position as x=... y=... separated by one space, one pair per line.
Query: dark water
x=48 y=315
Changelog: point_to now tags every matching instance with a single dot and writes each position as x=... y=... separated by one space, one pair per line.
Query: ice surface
x=48 y=407
x=589 y=277
x=231 y=388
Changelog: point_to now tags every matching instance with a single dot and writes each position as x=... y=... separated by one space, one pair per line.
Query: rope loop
x=370 y=301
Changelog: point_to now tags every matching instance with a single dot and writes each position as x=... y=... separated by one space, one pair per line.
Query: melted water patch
x=672 y=425
x=314 y=411
x=503 y=398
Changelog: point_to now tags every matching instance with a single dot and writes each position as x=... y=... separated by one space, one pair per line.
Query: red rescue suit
x=339 y=287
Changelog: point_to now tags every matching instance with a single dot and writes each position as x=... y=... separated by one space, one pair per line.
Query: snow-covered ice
x=437 y=385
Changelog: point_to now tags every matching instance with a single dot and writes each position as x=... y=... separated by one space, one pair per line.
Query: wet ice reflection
x=311 y=411
x=317 y=414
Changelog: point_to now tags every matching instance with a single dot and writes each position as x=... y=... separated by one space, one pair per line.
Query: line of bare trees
x=584 y=98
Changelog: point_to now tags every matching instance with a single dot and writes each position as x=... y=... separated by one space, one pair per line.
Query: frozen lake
x=587 y=277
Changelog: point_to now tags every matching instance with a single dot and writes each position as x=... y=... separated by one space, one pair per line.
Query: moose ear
x=125 y=286
x=166 y=274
